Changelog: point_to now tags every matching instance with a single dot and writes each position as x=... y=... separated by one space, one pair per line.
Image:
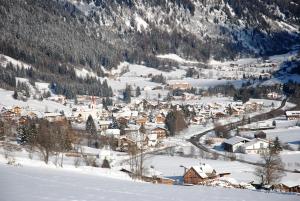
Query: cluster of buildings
x=215 y=110
x=233 y=71
x=140 y=123
x=239 y=144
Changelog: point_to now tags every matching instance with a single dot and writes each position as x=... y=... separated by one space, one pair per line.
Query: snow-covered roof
x=234 y=140
x=291 y=113
x=132 y=127
x=254 y=141
x=203 y=170
x=102 y=122
x=152 y=136
x=112 y=132
x=52 y=114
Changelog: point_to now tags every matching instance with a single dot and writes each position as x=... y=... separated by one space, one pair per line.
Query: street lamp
x=185 y=168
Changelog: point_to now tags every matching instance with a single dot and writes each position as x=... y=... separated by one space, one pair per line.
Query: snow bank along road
x=38 y=184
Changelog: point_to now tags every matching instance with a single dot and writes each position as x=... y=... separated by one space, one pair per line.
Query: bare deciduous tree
x=137 y=155
x=271 y=170
x=53 y=137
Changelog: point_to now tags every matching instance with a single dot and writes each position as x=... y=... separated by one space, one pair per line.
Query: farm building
x=292 y=115
x=199 y=173
x=233 y=144
x=255 y=146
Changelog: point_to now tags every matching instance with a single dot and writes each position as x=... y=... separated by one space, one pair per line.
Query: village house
x=283 y=187
x=198 y=119
x=160 y=119
x=160 y=132
x=253 y=106
x=112 y=133
x=82 y=113
x=255 y=146
x=103 y=125
x=292 y=115
x=17 y=110
x=58 y=98
x=214 y=106
x=163 y=180
x=237 y=111
x=180 y=85
x=133 y=134
x=265 y=75
x=128 y=114
x=125 y=143
x=206 y=113
x=152 y=140
x=32 y=115
x=141 y=121
x=198 y=174
x=54 y=116
x=218 y=140
x=219 y=115
x=188 y=96
x=273 y=95
x=23 y=120
x=234 y=144
x=262 y=125
x=8 y=115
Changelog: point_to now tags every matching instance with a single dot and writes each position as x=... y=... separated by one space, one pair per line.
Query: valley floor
x=38 y=184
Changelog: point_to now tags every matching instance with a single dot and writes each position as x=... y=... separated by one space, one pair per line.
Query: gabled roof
x=52 y=114
x=291 y=113
x=159 y=127
x=112 y=132
x=152 y=137
x=236 y=139
x=252 y=142
x=204 y=170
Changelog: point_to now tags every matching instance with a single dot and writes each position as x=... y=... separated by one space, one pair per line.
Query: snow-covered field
x=240 y=172
x=7 y=100
x=36 y=184
x=289 y=135
x=4 y=60
x=176 y=58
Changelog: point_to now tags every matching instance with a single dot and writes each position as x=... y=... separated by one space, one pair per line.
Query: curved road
x=195 y=140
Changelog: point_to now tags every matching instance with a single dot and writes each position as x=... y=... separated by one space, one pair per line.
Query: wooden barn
x=286 y=188
x=197 y=174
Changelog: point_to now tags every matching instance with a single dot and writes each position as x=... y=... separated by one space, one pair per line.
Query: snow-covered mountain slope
x=99 y=33
x=66 y=40
x=252 y=25
x=54 y=185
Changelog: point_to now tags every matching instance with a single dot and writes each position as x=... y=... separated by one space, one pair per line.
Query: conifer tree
x=127 y=94
x=276 y=145
x=105 y=164
x=90 y=126
x=138 y=92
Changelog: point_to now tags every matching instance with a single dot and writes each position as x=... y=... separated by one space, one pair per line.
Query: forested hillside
x=56 y=35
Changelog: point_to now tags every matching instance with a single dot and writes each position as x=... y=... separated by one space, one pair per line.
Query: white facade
x=255 y=146
x=113 y=132
x=152 y=139
x=237 y=147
